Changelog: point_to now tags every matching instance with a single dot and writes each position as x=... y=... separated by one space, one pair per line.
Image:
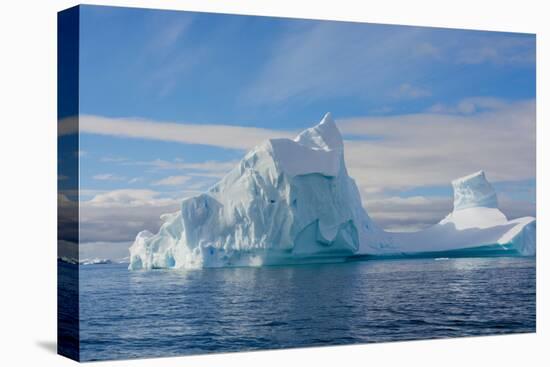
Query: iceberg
x=291 y=201
x=475 y=227
x=95 y=261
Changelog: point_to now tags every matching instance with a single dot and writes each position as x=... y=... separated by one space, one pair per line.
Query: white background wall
x=28 y=184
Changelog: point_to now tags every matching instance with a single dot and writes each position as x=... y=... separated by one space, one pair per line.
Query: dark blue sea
x=128 y=314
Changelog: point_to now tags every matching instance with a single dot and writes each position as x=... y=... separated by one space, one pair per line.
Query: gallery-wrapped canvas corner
x=231 y=183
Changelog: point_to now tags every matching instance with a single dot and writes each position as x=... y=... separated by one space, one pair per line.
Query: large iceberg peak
x=325 y=135
x=474 y=191
x=287 y=201
x=319 y=149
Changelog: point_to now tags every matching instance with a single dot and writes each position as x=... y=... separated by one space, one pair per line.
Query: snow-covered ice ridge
x=292 y=201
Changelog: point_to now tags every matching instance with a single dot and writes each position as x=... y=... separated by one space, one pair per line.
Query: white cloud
x=168 y=49
x=502 y=50
x=469 y=106
x=331 y=59
x=225 y=136
x=338 y=59
x=172 y=181
x=107 y=177
x=428 y=49
x=408 y=91
x=135 y=180
x=114 y=159
x=118 y=215
x=205 y=169
x=169 y=33
x=202 y=184
x=433 y=148
x=128 y=198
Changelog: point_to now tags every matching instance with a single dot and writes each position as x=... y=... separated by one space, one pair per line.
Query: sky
x=170 y=101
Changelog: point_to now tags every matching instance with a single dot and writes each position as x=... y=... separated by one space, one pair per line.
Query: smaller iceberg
x=475 y=227
x=95 y=261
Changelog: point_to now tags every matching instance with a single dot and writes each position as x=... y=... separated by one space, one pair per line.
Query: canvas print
x=232 y=183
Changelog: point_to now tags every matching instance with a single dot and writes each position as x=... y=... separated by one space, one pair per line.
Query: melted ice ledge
x=292 y=201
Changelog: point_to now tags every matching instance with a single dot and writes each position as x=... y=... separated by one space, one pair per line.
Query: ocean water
x=128 y=314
